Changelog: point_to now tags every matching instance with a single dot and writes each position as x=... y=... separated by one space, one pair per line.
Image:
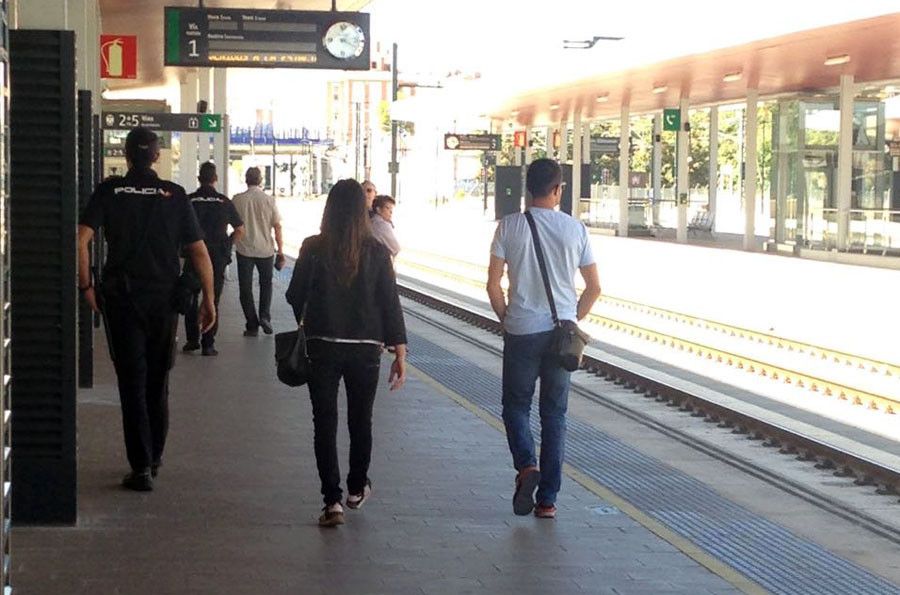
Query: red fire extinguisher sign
x=118 y=56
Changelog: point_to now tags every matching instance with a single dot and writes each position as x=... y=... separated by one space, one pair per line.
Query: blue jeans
x=525 y=359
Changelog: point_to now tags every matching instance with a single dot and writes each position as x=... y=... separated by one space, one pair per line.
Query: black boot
x=139 y=481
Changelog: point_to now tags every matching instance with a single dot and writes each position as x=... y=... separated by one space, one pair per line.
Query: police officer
x=215 y=212
x=146 y=222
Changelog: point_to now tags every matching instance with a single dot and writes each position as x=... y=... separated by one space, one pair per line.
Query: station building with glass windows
x=819 y=109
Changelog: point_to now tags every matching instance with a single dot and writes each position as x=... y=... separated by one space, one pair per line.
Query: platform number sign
x=672 y=119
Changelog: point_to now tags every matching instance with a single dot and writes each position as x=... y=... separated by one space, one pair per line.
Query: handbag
x=291 y=361
x=292 y=364
x=568 y=341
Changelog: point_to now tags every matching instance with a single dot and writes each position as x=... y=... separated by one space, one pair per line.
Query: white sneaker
x=355 y=501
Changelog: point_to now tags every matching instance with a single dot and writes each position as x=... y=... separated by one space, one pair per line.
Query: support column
x=519 y=153
x=563 y=141
x=586 y=155
x=576 y=164
x=624 y=138
x=549 y=130
x=713 y=161
x=83 y=18
x=656 y=167
x=204 y=76
x=528 y=150
x=750 y=171
x=187 y=162
x=682 y=185
x=845 y=161
x=220 y=106
x=43 y=14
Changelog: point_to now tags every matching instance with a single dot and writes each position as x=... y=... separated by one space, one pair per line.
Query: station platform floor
x=235 y=506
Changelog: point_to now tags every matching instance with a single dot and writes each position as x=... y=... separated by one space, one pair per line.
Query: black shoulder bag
x=291 y=360
x=568 y=340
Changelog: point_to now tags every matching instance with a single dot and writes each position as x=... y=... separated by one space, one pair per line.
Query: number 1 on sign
x=193 y=45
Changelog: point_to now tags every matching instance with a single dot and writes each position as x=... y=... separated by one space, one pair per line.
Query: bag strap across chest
x=543 y=265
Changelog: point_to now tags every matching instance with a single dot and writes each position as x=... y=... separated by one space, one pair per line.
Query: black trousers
x=142 y=343
x=246 y=264
x=192 y=318
x=358 y=365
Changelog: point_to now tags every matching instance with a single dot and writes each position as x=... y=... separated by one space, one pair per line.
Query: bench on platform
x=702 y=221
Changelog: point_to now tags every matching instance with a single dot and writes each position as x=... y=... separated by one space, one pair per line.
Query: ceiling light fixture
x=660 y=89
x=586 y=44
x=732 y=77
x=835 y=60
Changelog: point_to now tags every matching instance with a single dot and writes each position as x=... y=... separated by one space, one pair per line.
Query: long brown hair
x=345 y=229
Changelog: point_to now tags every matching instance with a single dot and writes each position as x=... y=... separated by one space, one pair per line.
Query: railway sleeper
x=844 y=471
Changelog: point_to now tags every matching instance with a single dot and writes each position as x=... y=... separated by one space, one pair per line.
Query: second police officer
x=146 y=222
x=215 y=212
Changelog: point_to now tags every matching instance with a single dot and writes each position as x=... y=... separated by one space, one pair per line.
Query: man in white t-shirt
x=255 y=249
x=528 y=330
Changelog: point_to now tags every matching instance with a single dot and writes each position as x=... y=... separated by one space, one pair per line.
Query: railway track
x=821 y=371
x=841 y=462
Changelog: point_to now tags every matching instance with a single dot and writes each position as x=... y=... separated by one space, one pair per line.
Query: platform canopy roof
x=805 y=61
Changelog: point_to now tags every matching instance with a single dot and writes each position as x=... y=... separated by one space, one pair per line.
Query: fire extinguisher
x=111 y=52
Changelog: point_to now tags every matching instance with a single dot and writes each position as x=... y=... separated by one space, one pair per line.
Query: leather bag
x=291 y=361
x=292 y=364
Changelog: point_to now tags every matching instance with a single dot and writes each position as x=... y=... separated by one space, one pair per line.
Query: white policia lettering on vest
x=206 y=199
x=142 y=191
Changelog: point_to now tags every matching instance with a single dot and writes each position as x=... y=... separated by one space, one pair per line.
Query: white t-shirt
x=259 y=213
x=566 y=247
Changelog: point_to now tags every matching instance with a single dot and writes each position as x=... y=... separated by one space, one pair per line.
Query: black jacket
x=368 y=309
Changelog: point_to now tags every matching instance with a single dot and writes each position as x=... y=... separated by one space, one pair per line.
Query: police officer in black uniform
x=146 y=222
x=215 y=212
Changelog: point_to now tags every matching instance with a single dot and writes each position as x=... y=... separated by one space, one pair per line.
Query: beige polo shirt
x=259 y=213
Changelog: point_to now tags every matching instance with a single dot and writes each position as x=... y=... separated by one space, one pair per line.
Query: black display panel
x=253 y=38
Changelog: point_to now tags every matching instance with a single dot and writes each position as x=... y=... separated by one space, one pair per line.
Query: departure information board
x=253 y=38
x=469 y=142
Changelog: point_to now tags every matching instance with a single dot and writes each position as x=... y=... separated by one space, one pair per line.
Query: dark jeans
x=525 y=359
x=358 y=365
x=192 y=318
x=142 y=342
x=246 y=265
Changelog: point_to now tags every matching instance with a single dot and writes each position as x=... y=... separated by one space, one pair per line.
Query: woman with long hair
x=344 y=293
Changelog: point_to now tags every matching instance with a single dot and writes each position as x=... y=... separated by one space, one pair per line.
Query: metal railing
x=870 y=230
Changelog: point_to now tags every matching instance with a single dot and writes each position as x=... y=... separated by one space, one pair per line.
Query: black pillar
x=43 y=209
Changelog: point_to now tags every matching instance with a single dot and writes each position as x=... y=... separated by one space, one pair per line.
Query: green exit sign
x=672 y=119
x=211 y=123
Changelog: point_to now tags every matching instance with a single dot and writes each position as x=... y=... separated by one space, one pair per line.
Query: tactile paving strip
x=759 y=549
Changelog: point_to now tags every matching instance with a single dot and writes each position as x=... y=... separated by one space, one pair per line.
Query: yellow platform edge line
x=685 y=546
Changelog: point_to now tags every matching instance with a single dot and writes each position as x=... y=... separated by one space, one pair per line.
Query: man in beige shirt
x=255 y=249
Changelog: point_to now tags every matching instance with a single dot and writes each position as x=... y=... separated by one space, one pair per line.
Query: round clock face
x=452 y=142
x=345 y=40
